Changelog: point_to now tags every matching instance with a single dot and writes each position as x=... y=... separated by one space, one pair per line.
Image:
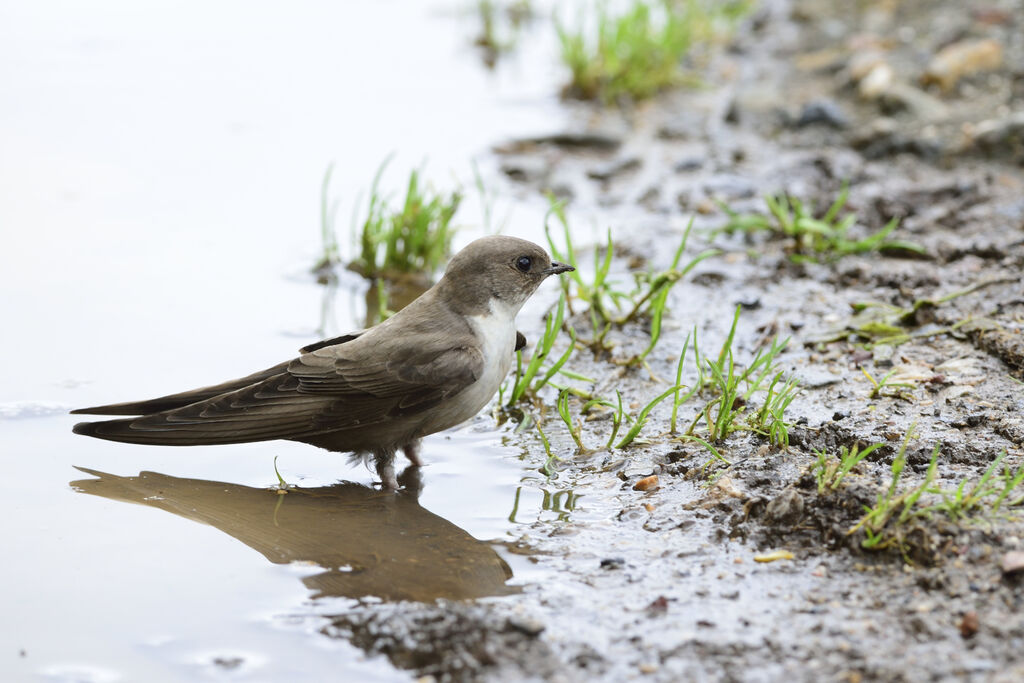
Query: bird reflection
x=368 y=542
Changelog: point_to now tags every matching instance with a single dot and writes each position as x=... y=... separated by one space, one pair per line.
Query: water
x=161 y=170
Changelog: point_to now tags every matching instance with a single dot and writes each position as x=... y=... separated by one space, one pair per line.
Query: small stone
x=689 y=164
x=969 y=624
x=525 y=170
x=618 y=167
x=877 y=81
x=527 y=626
x=647 y=483
x=901 y=97
x=822 y=112
x=613 y=563
x=1012 y=562
x=729 y=186
x=659 y=604
x=785 y=508
x=960 y=59
x=882 y=355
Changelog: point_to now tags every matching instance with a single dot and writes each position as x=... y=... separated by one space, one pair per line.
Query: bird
x=431 y=366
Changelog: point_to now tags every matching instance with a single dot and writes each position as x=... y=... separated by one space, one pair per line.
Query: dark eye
x=523 y=263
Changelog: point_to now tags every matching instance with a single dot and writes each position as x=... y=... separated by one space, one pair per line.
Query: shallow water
x=161 y=175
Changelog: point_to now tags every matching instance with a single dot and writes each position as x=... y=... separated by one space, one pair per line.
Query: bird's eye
x=523 y=263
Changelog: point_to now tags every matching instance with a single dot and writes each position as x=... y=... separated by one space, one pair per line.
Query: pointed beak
x=557 y=268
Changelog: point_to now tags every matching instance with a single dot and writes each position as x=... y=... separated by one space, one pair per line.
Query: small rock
x=600 y=142
x=685 y=125
x=882 y=355
x=689 y=164
x=786 y=508
x=964 y=58
x=647 y=483
x=969 y=624
x=525 y=170
x=877 y=81
x=527 y=626
x=649 y=199
x=1012 y=562
x=1000 y=136
x=822 y=112
x=862 y=63
x=617 y=167
x=900 y=97
x=729 y=186
x=659 y=604
x=613 y=563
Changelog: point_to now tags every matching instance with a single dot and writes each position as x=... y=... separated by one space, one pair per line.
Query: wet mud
x=678 y=580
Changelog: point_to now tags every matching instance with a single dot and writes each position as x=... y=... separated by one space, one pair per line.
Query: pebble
x=1012 y=562
x=785 y=508
x=617 y=167
x=647 y=483
x=969 y=624
x=729 y=186
x=960 y=59
x=822 y=112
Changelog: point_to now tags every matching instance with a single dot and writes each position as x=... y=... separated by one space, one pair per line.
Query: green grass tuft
x=414 y=238
x=639 y=53
x=814 y=239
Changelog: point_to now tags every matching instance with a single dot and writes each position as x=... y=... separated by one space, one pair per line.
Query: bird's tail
x=146 y=430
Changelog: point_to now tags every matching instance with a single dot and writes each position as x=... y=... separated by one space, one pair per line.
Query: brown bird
x=431 y=366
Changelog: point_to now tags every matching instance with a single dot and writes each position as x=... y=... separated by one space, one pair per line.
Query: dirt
x=657 y=578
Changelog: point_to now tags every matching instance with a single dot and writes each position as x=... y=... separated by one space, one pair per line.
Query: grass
x=619 y=418
x=988 y=495
x=413 y=238
x=879 y=387
x=829 y=472
x=500 y=25
x=885 y=525
x=875 y=323
x=527 y=381
x=607 y=305
x=821 y=239
x=639 y=53
x=733 y=388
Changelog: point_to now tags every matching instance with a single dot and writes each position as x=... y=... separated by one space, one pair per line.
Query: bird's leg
x=412 y=451
x=385 y=462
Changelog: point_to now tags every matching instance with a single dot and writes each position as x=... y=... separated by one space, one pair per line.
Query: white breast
x=497 y=332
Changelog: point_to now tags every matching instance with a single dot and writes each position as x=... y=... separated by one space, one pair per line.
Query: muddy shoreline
x=663 y=584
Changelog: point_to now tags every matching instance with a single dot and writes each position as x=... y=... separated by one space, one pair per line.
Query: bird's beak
x=557 y=268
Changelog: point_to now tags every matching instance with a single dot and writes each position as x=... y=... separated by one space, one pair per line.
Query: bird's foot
x=386 y=470
x=412 y=451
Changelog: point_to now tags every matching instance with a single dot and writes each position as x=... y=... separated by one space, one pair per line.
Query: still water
x=160 y=168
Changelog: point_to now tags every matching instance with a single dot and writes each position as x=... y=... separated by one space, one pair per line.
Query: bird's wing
x=333 y=341
x=332 y=389
x=402 y=380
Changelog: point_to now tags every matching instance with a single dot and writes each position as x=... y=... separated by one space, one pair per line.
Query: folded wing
x=337 y=388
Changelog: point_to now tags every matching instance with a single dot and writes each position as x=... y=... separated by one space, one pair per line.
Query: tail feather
x=124 y=432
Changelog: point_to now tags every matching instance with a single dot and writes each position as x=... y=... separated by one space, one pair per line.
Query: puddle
x=160 y=214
